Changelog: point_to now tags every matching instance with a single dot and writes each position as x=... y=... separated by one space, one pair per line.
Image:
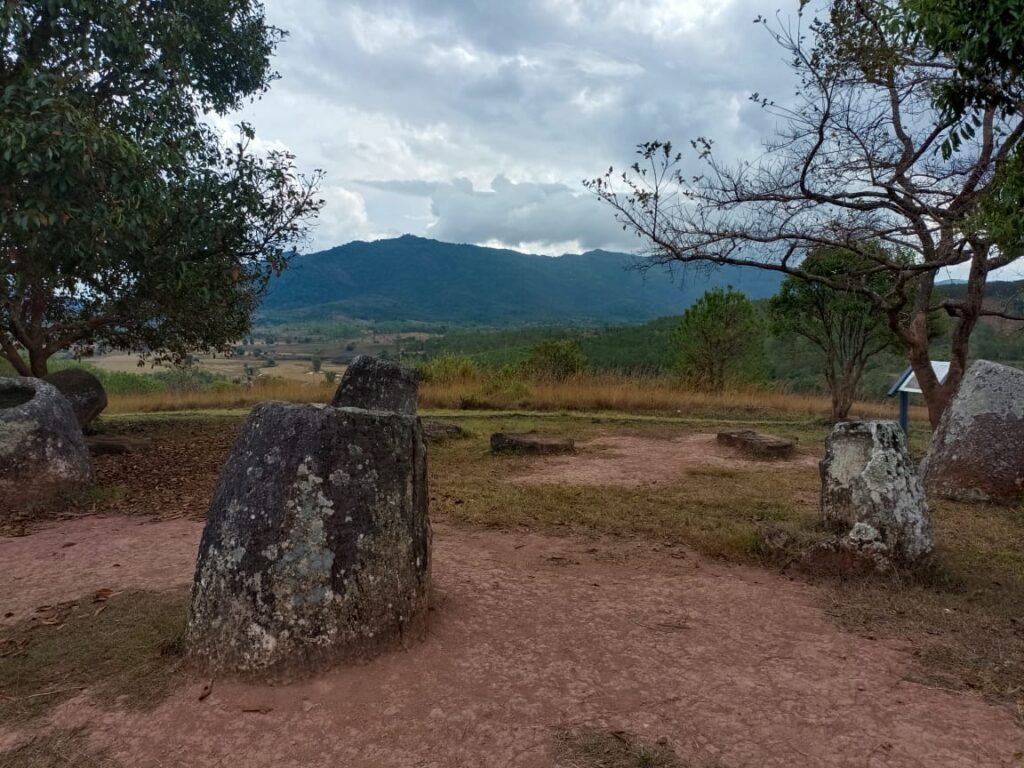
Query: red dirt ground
x=732 y=666
x=632 y=461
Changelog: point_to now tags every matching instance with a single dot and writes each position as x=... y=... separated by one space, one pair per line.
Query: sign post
x=907 y=384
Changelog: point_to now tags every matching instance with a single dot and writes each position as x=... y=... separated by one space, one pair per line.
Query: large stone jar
x=317 y=546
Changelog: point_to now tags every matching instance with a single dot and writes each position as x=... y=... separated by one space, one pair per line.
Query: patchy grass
x=53 y=748
x=720 y=511
x=964 y=617
x=594 y=748
x=123 y=650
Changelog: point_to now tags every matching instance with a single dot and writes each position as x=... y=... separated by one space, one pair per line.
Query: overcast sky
x=476 y=120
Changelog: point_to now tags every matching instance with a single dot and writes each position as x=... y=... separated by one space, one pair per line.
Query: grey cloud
x=542 y=92
x=546 y=218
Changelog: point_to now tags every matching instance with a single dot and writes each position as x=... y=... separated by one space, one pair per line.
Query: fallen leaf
x=206 y=690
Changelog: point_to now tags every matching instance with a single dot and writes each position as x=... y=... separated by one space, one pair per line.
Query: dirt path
x=75 y=557
x=633 y=461
x=732 y=666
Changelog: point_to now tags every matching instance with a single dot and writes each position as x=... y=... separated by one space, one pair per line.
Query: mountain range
x=417 y=279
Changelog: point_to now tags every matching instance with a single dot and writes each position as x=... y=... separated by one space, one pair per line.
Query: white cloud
x=525 y=95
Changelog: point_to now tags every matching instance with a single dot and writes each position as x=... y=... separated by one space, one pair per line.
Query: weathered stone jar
x=42 y=451
x=871 y=489
x=317 y=546
x=83 y=390
x=977 y=451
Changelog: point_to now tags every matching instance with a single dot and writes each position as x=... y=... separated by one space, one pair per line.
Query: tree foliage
x=857 y=163
x=125 y=218
x=556 y=360
x=985 y=44
x=719 y=341
x=843 y=324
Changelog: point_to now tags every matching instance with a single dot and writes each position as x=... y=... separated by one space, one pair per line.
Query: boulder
x=869 y=480
x=317 y=545
x=977 y=451
x=42 y=451
x=83 y=391
x=377 y=385
x=757 y=446
x=531 y=443
x=441 y=431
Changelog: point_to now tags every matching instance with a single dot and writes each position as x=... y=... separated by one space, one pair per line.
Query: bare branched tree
x=862 y=159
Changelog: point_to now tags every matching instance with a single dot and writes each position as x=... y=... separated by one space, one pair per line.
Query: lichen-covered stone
x=42 y=451
x=869 y=480
x=977 y=452
x=377 y=385
x=860 y=552
x=83 y=390
x=317 y=545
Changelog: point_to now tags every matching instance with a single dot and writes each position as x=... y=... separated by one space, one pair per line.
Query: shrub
x=556 y=360
x=188 y=379
x=448 y=369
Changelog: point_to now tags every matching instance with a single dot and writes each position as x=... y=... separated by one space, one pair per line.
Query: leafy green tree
x=861 y=158
x=556 y=360
x=720 y=341
x=983 y=44
x=842 y=324
x=125 y=219
x=316 y=363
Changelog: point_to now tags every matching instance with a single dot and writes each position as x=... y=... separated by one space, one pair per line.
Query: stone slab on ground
x=317 y=545
x=757 y=445
x=531 y=444
x=437 y=431
x=977 y=451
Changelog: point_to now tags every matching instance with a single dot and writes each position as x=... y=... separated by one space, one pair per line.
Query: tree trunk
x=841 y=402
x=10 y=353
x=38 y=359
x=937 y=396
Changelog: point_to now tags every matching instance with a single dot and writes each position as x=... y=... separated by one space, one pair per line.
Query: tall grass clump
x=448 y=369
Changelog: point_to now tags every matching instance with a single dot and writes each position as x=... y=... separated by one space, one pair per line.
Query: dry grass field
x=585 y=393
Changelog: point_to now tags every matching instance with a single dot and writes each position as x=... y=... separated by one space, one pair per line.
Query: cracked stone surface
x=977 y=451
x=870 y=484
x=317 y=545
